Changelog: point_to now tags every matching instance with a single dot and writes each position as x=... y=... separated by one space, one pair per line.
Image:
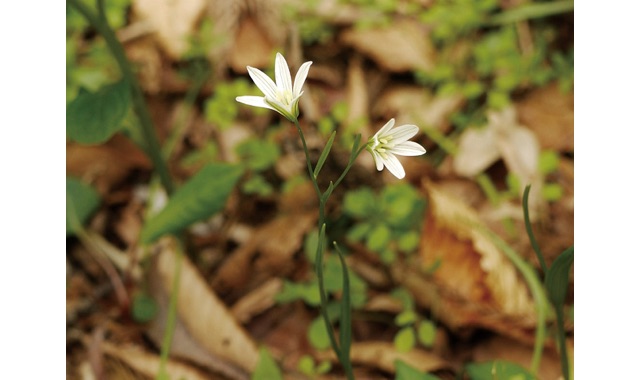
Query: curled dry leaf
x=172 y=21
x=471 y=267
x=382 y=355
x=402 y=46
x=204 y=316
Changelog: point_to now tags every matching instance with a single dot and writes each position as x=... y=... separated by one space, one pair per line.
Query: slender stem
x=172 y=315
x=309 y=166
x=342 y=352
x=139 y=105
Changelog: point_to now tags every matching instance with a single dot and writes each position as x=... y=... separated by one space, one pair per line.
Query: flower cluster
x=282 y=96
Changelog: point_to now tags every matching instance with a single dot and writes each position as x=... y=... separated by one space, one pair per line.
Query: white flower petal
x=377 y=159
x=403 y=133
x=264 y=83
x=301 y=76
x=255 y=101
x=383 y=131
x=395 y=167
x=408 y=148
x=283 y=75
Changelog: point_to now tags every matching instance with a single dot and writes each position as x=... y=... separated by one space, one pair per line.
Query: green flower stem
x=140 y=108
x=342 y=351
x=564 y=358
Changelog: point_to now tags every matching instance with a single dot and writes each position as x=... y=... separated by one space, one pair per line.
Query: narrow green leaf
x=557 y=278
x=267 y=369
x=82 y=202
x=499 y=369
x=355 y=147
x=345 y=313
x=202 y=196
x=92 y=118
x=527 y=225
x=324 y=155
x=406 y=372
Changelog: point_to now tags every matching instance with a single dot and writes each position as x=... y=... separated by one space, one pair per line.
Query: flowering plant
x=282 y=96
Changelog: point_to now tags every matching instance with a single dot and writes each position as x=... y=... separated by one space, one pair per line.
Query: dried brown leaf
x=402 y=46
x=416 y=105
x=268 y=252
x=172 y=21
x=471 y=265
x=548 y=112
x=382 y=355
x=147 y=364
x=205 y=317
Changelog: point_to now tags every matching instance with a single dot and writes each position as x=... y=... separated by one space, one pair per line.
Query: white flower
x=280 y=96
x=387 y=143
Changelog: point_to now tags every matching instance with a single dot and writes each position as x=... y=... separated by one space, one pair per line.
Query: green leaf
x=92 y=118
x=557 y=278
x=202 y=196
x=426 y=333
x=499 y=369
x=317 y=334
x=405 y=372
x=258 y=154
x=306 y=365
x=551 y=192
x=144 y=308
x=408 y=242
x=82 y=202
x=267 y=369
x=378 y=238
x=324 y=155
x=548 y=162
x=359 y=203
x=405 y=339
x=406 y=317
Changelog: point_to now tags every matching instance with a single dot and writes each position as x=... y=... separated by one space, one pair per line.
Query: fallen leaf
x=471 y=266
x=257 y=301
x=107 y=164
x=204 y=316
x=172 y=21
x=417 y=105
x=548 y=112
x=501 y=348
x=382 y=355
x=252 y=47
x=147 y=364
x=402 y=46
x=503 y=138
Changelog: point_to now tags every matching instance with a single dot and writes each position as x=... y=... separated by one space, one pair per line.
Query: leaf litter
x=227 y=305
